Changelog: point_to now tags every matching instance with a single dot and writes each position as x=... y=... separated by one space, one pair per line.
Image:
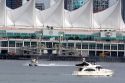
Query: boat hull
x=102 y=72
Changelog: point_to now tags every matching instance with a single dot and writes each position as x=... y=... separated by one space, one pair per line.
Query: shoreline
x=64 y=58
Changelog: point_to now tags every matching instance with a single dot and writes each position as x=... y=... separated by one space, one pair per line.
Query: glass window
x=89 y=69
x=114 y=54
x=114 y=46
x=107 y=46
x=91 y=46
x=80 y=69
x=10 y=35
x=11 y=43
x=55 y=45
x=85 y=46
x=78 y=45
x=17 y=35
x=33 y=44
x=26 y=43
x=49 y=44
x=98 y=67
x=99 y=46
x=120 y=54
x=64 y=45
x=19 y=44
x=91 y=53
x=120 y=46
x=70 y=45
x=4 y=44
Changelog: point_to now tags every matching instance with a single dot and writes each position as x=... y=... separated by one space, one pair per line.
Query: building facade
x=40 y=6
x=109 y=43
x=44 y=4
x=73 y=4
x=99 y=5
x=14 y=3
x=112 y=2
x=97 y=44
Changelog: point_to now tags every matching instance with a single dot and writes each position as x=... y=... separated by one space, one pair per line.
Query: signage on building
x=51 y=33
x=108 y=34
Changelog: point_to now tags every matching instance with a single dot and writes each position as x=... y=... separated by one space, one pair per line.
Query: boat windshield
x=82 y=64
x=98 y=67
x=80 y=69
x=89 y=69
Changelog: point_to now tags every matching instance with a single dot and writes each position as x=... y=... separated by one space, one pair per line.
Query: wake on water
x=49 y=64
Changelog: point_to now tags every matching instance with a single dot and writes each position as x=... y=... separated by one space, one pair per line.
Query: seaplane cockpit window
x=89 y=69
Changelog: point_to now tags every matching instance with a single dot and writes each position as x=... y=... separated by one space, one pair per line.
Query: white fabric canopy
x=24 y=15
x=82 y=17
x=52 y=16
x=110 y=18
x=67 y=20
x=4 y=19
x=122 y=24
x=53 y=2
x=57 y=16
x=2 y=12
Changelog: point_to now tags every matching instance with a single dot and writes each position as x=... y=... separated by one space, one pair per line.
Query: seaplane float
x=88 y=69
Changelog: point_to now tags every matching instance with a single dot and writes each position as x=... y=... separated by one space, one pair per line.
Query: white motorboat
x=93 y=70
x=88 y=69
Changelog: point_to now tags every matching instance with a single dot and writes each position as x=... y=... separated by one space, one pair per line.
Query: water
x=17 y=72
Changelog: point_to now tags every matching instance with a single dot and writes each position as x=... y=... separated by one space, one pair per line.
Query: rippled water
x=14 y=71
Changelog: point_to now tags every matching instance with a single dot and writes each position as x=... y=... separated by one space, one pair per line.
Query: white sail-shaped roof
x=57 y=16
x=66 y=20
x=2 y=12
x=122 y=24
x=110 y=18
x=4 y=19
x=82 y=17
x=52 y=16
x=52 y=2
x=8 y=20
x=24 y=15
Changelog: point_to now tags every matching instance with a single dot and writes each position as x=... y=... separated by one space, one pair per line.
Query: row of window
x=93 y=37
x=88 y=46
x=107 y=53
x=69 y=45
x=18 y=35
x=17 y=44
x=66 y=45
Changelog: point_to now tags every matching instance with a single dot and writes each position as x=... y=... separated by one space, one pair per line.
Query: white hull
x=102 y=72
